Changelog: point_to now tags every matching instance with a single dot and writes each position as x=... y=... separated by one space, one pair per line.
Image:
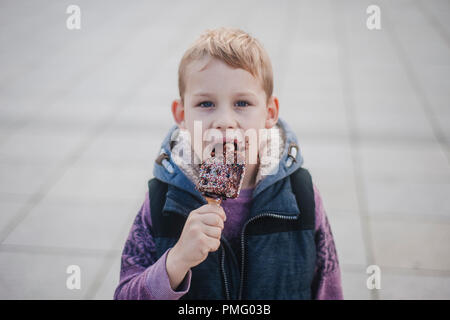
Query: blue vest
x=278 y=253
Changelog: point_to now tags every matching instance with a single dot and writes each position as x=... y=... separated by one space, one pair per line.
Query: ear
x=178 y=113
x=272 y=112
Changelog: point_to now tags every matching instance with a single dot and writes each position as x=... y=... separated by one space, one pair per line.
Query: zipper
x=225 y=280
x=270 y=215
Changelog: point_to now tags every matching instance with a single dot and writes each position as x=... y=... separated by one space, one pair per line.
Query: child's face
x=222 y=97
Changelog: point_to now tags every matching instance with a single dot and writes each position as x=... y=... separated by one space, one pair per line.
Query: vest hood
x=167 y=170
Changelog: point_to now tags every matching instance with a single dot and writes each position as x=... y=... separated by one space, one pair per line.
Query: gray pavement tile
x=310 y=28
x=14 y=109
x=369 y=50
x=316 y=78
x=31 y=275
x=126 y=129
x=444 y=121
x=76 y=224
x=22 y=29
x=23 y=178
x=3 y=134
x=119 y=75
x=117 y=81
x=310 y=121
x=434 y=80
x=69 y=117
x=394 y=126
x=300 y=101
x=155 y=118
x=390 y=82
x=414 y=199
x=437 y=13
x=337 y=189
x=325 y=154
x=103 y=182
x=354 y=284
x=71 y=69
x=121 y=150
x=8 y=211
x=414 y=287
x=402 y=162
x=45 y=149
x=15 y=11
x=326 y=159
x=421 y=41
x=381 y=112
x=408 y=244
x=60 y=61
x=348 y=238
x=373 y=99
x=111 y=281
x=160 y=87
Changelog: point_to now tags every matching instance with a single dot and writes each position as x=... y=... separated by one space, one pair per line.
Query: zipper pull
x=163 y=160
x=292 y=154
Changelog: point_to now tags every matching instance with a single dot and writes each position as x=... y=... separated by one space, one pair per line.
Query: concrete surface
x=83 y=113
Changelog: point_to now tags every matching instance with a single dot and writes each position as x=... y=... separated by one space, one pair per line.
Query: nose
x=224 y=120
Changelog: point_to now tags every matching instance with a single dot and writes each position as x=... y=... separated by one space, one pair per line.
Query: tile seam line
x=417 y=88
x=65 y=163
x=32 y=66
x=54 y=97
x=349 y=106
x=288 y=53
x=433 y=21
x=51 y=250
x=396 y=270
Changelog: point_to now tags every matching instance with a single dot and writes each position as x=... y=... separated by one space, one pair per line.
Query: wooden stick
x=214 y=201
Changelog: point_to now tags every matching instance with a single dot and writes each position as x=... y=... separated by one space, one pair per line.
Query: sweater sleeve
x=142 y=276
x=327 y=278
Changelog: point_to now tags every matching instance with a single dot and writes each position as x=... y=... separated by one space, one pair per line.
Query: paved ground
x=84 y=111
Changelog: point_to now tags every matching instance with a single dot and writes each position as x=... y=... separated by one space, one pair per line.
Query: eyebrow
x=207 y=94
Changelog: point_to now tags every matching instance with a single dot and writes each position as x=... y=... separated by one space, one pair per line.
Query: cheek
x=195 y=120
x=197 y=127
x=256 y=119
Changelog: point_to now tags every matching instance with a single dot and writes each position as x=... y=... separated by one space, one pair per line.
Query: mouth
x=226 y=145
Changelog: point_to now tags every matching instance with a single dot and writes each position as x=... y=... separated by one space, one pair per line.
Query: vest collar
x=180 y=187
x=276 y=199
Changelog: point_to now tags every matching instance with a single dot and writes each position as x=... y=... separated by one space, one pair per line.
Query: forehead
x=212 y=74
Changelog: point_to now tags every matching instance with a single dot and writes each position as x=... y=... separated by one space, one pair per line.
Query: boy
x=271 y=242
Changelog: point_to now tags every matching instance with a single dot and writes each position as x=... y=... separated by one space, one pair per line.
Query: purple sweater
x=144 y=277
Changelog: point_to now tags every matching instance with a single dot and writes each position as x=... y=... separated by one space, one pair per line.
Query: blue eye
x=209 y=104
x=205 y=106
x=243 y=102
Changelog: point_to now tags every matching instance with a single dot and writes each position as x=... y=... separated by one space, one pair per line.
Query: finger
x=209 y=208
x=213 y=244
x=212 y=219
x=213 y=232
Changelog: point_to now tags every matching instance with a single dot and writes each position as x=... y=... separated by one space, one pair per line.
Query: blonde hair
x=234 y=47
